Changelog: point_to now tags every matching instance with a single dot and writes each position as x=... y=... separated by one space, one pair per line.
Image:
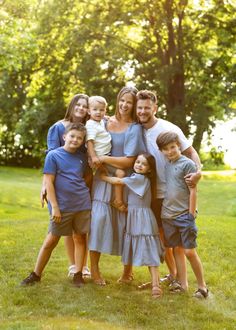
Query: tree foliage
x=50 y=50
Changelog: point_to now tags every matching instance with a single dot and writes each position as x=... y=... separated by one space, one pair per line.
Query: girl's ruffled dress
x=142 y=245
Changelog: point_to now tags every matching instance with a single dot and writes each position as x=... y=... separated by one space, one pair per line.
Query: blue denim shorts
x=181 y=231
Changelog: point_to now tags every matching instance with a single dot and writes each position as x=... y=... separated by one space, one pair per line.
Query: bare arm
x=118 y=162
x=192 y=179
x=112 y=179
x=49 y=181
x=95 y=159
x=43 y=192
x=193 y=200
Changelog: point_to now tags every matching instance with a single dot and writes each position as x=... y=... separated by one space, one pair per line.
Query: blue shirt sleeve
x=190 y=167
x=138 y=183
x=55 y=136
x=134 y=141
x=50 y=165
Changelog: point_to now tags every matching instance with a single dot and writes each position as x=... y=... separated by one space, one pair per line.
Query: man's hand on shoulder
x=192 y=179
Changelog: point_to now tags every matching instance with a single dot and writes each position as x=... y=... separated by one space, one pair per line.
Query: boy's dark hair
x=78 y=127
x=146 y=95
x=166 y=138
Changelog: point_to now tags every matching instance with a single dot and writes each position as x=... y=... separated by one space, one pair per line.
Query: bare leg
x=80 y=246
x=85 y=263
x=45 y=252
x=70 y=249
x=118 y=201
x=156 y=290
x=127 y=275
x=180 y=261
x=197 y=268
x=169 y=257
x=95 y=273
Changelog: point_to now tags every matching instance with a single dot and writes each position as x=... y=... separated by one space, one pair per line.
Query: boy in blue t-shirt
x=69 y=202
x=179 y=212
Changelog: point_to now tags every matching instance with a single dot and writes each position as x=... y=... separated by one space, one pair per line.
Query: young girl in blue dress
x=142 y=244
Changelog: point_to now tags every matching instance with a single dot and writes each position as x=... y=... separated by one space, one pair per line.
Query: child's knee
x=79 y=239
x=120 y=173
x=190 y=253
x=51 y=242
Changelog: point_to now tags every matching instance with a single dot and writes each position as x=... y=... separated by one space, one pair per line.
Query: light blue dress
x=107 y=223
x=142 y=244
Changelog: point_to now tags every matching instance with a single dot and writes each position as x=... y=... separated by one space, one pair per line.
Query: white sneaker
x=86 y=272
x=71 y=270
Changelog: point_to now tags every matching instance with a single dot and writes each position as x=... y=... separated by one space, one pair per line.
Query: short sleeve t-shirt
x=71 y=191
x=176 y=200
x=97 y=132
x=151 y=135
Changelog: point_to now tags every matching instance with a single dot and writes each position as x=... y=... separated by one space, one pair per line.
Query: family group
x=123 y=185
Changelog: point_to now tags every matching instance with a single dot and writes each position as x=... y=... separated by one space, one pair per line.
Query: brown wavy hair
x=72 y=104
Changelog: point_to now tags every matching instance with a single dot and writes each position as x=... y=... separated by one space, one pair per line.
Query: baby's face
x=171 y=151
x=97 y=111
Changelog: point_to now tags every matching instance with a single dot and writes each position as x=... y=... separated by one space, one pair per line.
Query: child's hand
x=56 y=214
x=96 y=162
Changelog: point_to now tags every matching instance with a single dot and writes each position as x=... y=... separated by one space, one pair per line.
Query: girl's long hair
x=152 y=175
x=71 y=106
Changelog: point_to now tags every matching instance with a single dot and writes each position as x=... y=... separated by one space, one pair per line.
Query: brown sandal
x=99 y=281
x=125 y=279
x=156 y=292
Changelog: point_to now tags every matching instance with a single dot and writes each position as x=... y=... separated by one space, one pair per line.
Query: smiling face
x=97 y=110
x=80 y=110
x=126 y=105
x=146 y=110
x=73 y=140
x=171 y=151
x=141 y=165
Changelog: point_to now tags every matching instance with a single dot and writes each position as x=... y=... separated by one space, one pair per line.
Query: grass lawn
x=56 y=304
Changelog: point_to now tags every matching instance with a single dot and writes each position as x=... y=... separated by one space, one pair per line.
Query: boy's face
x=172 y=151
x=73 y=140
x=97 y=111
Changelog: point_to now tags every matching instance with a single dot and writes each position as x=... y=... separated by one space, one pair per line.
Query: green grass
x=56 y=304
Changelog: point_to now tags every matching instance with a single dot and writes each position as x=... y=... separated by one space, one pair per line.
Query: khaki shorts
x=71 y=222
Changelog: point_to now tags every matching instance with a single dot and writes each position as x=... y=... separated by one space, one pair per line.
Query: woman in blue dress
x=77 y=112
x=108 y=223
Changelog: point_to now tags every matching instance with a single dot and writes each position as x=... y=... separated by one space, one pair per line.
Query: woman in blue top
x=108 y=223
x=77 y=112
